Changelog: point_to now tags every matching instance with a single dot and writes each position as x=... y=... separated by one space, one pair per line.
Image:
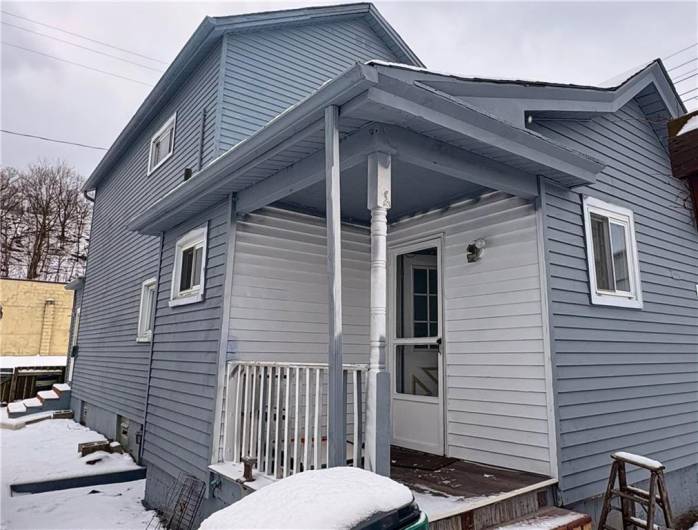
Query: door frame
x=394 y=250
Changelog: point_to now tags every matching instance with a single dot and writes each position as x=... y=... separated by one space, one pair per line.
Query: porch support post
x=377 y=453
x=336 y=424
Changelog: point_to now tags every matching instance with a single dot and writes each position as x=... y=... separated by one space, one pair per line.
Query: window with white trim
x=614 y=272
x=162 y=144
x=145 y=315
x=188 y=276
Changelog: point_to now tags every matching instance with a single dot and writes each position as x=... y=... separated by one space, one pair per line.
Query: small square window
x=162 y=144
x=188 y=276
x=614 y=271
x=147 y=310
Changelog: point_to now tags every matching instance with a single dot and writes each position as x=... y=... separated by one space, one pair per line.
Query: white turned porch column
x=336 y=424
x=378 y=432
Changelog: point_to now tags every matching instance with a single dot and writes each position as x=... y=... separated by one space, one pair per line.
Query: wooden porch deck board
x=456 y=478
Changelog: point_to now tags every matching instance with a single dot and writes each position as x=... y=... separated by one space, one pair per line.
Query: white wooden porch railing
x=276 y=413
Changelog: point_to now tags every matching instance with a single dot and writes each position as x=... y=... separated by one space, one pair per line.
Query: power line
x=77 y=64
x=81 y=46
x=55 y=140
x=681 y=51
x=682 y=64
x=687 y=75
x=83 y=37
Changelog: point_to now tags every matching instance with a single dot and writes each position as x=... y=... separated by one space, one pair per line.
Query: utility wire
x=55 y=140
x=680 y=51
x=83 y=37
x=77 y=64
x=682 y=64
x=82 y=47
x=690 y=74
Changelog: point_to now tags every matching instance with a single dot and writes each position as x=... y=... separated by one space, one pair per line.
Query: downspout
x=152 y=346
x=217 y=449
x=549 y=334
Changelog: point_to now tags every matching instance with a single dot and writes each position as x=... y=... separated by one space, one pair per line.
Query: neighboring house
x=35 y=318
x=540 y=265
x=35 y=321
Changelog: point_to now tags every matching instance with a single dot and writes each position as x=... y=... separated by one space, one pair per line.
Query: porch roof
x=418 y=123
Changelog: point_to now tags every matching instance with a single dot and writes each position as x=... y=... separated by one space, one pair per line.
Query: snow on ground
x=695 y=526
x=340 y=497
x=110 y=506
x=11 y=361
x=48 y=450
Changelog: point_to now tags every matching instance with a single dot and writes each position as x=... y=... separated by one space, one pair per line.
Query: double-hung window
x=145 y=316
x=614 y=272
x=162 y=144
x=188 y=276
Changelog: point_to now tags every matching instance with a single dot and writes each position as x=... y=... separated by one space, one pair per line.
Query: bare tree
x=48 y=220
x=11 y=222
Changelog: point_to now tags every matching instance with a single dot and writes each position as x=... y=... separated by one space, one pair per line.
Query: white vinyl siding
x=279 y=298
x=494 y=343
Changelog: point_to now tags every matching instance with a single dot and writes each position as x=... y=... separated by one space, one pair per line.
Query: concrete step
x=32 y=403
x=16 y=408
x=61 y=388
x=57 y=399
x=46 y=395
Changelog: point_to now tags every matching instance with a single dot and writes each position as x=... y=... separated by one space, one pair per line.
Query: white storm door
x=416 y=347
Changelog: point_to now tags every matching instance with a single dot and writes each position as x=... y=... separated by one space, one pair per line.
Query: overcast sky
x=581 y=42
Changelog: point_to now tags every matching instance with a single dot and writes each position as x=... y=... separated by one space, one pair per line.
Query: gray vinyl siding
x=494 y=343
x=112 y=368
x=181 y=397
x=268 y=71
x=626 y=379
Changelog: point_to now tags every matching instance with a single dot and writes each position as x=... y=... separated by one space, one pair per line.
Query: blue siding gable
x=625 y=378
x=267 y=71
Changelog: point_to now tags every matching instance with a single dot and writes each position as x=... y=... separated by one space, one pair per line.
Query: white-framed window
x=145 y=315
x=162 y=144
x=614 y=272
x=188 y=276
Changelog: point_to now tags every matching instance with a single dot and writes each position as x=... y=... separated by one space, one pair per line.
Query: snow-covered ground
x=48 y=450
x=12 y=361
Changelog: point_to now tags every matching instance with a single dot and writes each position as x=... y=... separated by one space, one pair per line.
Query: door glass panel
x=417 y=295
x=417 y=370
x=420 y=302
x=420 y=280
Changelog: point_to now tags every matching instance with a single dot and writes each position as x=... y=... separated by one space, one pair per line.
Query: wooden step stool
x=630 y=495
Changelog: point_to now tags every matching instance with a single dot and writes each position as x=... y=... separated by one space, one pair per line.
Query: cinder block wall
x=35 y=317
